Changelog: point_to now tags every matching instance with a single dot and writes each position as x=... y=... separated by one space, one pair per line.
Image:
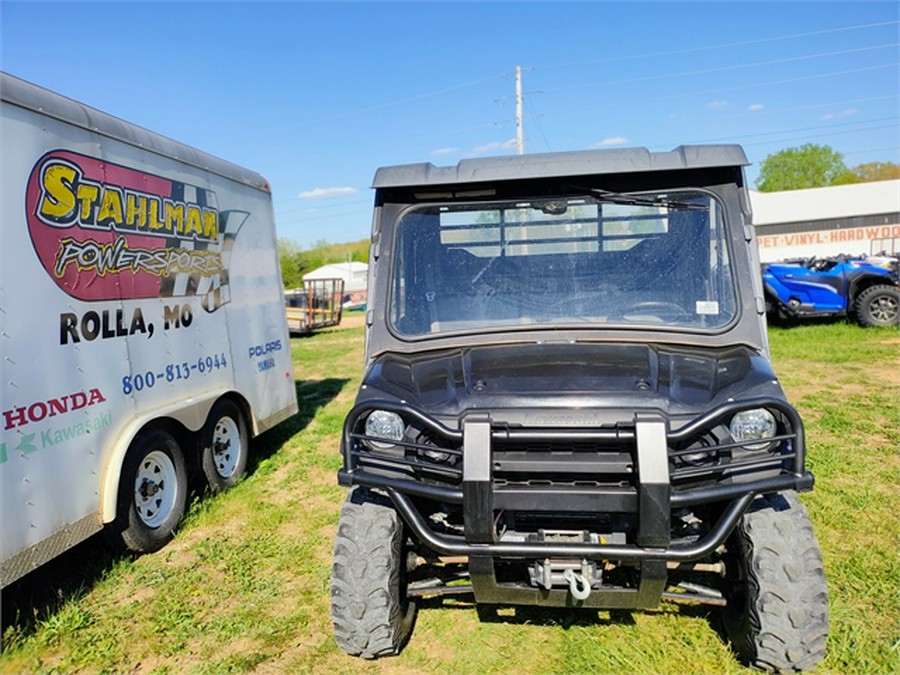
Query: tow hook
x=579 y=587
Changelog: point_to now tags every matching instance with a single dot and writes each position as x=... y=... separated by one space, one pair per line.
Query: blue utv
x=866 y=290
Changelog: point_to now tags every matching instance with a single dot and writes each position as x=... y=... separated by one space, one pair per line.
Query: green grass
x=845 y=381
x=245 y=584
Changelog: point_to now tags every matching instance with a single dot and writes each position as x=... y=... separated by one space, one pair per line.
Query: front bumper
x=646 y=450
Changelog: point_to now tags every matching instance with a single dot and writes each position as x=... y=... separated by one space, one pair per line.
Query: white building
x=354 y=274
x=850 y=219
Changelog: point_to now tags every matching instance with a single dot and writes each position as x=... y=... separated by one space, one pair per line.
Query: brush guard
x=564 y=571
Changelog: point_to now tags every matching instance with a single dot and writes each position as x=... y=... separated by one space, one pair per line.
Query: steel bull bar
x=654 y=501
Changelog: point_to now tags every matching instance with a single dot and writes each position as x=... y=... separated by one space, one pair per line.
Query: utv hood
x=561 y=384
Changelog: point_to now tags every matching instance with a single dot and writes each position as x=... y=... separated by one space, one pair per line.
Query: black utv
x=568 y=401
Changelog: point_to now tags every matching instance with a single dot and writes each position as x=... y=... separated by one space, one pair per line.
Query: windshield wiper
x=635 y=200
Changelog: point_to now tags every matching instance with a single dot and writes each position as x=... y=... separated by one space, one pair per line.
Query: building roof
x=825 y=203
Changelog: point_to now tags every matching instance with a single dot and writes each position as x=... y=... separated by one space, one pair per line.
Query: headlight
x=386 y=425
x=753 y=425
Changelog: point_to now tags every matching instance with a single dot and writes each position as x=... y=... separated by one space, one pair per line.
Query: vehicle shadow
x=311 y=396
x=39 y=595
x=794 y=322
x=564 y=617
x=35 y=598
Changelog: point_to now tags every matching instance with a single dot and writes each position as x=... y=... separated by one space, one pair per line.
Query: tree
x=876 y=171
x=808 y=166
x=291 y=275
x=297 y=261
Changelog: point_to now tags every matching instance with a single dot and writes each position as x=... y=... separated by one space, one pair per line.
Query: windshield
x=655 y=259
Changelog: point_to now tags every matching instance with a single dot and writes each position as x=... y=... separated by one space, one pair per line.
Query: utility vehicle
x=862 y=289
x=568 y=402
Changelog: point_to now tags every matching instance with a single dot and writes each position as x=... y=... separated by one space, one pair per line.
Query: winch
x=579 y=576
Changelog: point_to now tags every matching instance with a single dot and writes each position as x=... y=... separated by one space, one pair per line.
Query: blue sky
x=316 y=96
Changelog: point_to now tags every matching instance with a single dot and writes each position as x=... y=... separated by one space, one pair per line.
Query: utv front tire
x=878 y=306
x=370 y=610
x=777 y=612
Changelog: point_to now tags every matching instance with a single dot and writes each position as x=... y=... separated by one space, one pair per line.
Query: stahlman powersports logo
x=107 y=232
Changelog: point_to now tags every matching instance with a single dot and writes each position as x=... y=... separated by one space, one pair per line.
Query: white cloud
x=844 y=113
x=444 y=151
x=755 y=107
x=492 y=146
x=718 y=105
x=320 y=193
x=487 y=147
x=612 y=140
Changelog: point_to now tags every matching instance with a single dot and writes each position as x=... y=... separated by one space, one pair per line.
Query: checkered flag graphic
x=213 y=290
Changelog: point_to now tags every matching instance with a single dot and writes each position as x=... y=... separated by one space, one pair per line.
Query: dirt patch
x=354 y=320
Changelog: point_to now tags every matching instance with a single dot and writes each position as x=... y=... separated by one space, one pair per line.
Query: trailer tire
x=224 y=446
x=777 y=612
x=370 y=610
x=152 y=489
x=878 y=306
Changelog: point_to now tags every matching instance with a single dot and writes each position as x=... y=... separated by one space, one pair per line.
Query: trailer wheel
x=224 y=446
x=152 y=492
x=878 y=306
x=777 y=612
x=371 y=612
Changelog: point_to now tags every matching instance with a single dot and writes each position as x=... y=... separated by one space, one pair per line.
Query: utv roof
x=544 y=165
x=29 y=96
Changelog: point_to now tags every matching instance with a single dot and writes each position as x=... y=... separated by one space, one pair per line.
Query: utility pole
x=520 y=141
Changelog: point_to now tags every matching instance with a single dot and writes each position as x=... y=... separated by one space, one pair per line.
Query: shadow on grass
x=794 y=322
x=565 y=617
x=311 y=396
x=42 y=593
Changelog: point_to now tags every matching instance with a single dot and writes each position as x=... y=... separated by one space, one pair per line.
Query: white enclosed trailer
x=142 y=327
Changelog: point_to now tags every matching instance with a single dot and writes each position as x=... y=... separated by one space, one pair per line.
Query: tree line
x=297 y=261
x=811 y=166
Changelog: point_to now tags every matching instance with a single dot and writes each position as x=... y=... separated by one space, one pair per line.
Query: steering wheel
x=659 y=309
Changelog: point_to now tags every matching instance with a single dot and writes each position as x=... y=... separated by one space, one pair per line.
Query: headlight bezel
x=384 y=429
x=753 y=428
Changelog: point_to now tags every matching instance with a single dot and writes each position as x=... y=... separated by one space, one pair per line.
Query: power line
x=722 y=69
x=743 y=43
x=794 y=109
x=324 y=206
x=833 y=133
x=737 y=138
x=537 y=123
x=408 y=99
x=790 y=131
x=445 y=132
x=656 y=99
x=811 y=106
x=303 y=221
x=859 y=152
x=791 y=80
x=831 y=126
